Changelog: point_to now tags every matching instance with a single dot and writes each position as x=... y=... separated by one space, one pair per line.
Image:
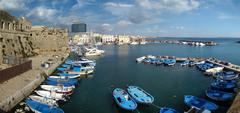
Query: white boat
x=43 y=100
x=214 y=70
x=65 y=76
x=133 y=43
x=85 y=72
x=58 y=89
x=200 y=62
x=143 y=42
x=140 y=59
x=91 y=51
x=51 y=95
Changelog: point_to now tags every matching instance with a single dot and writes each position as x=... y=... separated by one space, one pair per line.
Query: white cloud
x=178 y=27
x=14 y=4
x=169 y=5
x=124 y=23
x=81 y=3
x=43 y=13
x=118 y=9
x=224 y=16
x=106 y=28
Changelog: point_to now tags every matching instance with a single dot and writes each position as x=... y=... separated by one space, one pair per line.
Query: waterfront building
x=83 y=38
x=123 y=39
x=107 y=39
x=79 y=27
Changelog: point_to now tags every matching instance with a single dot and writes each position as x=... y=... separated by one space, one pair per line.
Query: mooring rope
x=156 y=106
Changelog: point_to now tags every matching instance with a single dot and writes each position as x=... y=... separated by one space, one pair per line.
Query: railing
x=16 y=70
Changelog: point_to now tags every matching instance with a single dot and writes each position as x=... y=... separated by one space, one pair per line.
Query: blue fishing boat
x=65 y=65
x=218 y=95
x=199 y=103
x=38 y=107
x=139 y=95
x=61 y=69
x=169 y=62
x=59 y=83
x=227 y=75
x=124 y=100
x=223 y=85
x=63 y=80
x=185 y=63
x=167 y=110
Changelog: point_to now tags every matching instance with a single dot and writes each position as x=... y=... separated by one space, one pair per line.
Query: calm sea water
x=117 y=68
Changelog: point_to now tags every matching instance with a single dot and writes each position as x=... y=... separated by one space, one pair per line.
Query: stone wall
x=49 y=39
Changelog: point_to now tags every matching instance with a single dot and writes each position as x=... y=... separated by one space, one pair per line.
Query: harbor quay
x=16 y=89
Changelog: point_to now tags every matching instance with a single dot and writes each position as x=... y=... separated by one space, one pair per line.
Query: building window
x=2 y=26
x=9 y=26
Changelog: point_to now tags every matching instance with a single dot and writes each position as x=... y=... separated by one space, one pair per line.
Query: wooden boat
x=63 y=80
x=59 y=89
x=199 y=103
x=139 y=95
x=56 y=83
x=66 y=75
x=167 y=110
x=223 y=85
x=78 y=70
x=185 y=63
x=228 y=75
x=218 y=95
x=43 y=100
x=51 y=95
x=124 y=100
x=140 y=59
x=38 y=107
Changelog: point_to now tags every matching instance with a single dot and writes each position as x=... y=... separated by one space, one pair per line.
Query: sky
x=164 y=18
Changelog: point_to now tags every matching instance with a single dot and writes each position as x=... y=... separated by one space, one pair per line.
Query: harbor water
x=168 y=85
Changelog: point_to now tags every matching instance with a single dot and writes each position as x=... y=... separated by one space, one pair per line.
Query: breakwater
x=185 y=42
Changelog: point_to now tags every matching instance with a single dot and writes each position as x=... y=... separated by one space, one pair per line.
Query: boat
x=199 y=103
x=142 y=42
x=139 y=95
x=63 y=80
x=51 y=95
x=167 y=110
x=65 y=65
x=214 y=70
x=38 y=107
x=55 y=83
x=59 y=89
x=223 y=85
x=79 y=70
x=43 y=100
x=133 y=43
x=185 y=63
x=140 y=59
x=92 y=51
x=218 y=95
x=62 y=69
x=227 y=75
x=123 y=100
x=169 y=62
x=66 y=75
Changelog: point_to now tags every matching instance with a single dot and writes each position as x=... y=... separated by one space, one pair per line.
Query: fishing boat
x=65 y=65
x=79 y=70
x=199 y=103
x=66 y=75
x=218 y=95
x=214 y=70
x=124 y=100
x=223 y=85
x=62 y=69
x=38 y=107
x=169 y=62
x=56 y=83
x=140 y=59
x=133 y=43
x=185 y=63
x=139 y=95
x=227 y=75
x=59 y=89
x=51 y=95
x=43 y=100
x=63 y=80
x=167 y=110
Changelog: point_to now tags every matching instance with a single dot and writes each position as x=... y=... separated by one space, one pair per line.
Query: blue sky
x=171 y=18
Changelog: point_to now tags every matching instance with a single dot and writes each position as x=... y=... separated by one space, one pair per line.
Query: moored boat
x=214 y=70
x=140 y=59
x=43 y=100
x=218 y=95
x=63 y=80
x=169 y=62
x=66 y=75
x=123 y=100
x=58 y=89
x=51 y=95
x=185 y=63
x=139 y=95
x=199 y=103
x=38 y=107
x=167 y=110
x=223 y=85
x=228 y=75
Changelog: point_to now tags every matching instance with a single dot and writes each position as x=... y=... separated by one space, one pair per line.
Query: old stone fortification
x=19 y=39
